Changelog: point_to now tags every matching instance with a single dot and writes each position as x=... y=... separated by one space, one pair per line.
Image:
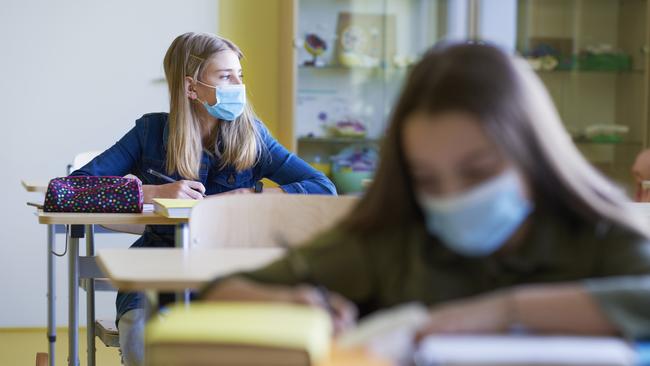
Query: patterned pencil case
x=94 y=194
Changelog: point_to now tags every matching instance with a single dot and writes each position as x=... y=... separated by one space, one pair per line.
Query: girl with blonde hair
x=210 y=142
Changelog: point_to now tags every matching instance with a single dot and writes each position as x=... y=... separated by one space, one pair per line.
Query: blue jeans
x=131 y=328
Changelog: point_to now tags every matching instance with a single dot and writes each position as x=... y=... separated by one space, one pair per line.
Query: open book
x=390 y=334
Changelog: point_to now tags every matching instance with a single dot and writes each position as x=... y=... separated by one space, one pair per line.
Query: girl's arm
x=292 y=173
x=565 y=308
x=546 y=308
x=614 y=300
x=342 y=312
x=333 y=261
x=125 y=156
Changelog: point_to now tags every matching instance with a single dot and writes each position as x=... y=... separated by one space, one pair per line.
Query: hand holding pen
x=342 y=311
x=178 y=189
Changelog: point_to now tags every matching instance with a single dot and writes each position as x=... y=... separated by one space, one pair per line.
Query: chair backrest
x=82 y=159
x=255 y=220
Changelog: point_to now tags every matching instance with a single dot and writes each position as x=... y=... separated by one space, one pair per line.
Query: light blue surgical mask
x=478 y=222
x=231 y=100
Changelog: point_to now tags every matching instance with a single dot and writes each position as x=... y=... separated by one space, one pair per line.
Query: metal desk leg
x=182 y=233
x=74 y=233
x=51 y=294
x=181 y=240
x=90 y=300
x=150 y=310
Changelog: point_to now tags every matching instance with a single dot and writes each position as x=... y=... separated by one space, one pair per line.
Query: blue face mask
x=231 y=100
x=478 y=222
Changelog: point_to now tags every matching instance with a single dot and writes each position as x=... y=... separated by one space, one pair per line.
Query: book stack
x=173 y=208
x=239 y=333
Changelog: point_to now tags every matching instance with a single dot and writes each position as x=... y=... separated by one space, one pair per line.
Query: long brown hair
x=516 y=111
x=236 y=143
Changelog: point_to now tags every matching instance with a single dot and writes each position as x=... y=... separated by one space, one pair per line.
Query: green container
x=604 y=62
x=606 y=139
x=348 y=181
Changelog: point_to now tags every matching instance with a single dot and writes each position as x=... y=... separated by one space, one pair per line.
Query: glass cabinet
x=351 y=58
x=592 y=57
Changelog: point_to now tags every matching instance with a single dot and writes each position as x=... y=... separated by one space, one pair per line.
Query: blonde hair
x=235 y=143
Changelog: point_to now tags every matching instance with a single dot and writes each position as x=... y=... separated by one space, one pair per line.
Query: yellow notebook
x=173 y=208
x=239 y=333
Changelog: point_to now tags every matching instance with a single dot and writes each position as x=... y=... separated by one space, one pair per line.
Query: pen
x=164 y=177
x=161 y=176
x=37 y=205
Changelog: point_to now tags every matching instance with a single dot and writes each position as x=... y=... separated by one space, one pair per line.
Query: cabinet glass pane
x=592 y=57
x=352 y=58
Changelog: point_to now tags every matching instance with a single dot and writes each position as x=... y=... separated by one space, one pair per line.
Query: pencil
x=161 y=176
x=165 y=178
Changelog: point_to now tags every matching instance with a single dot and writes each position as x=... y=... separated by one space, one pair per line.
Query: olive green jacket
x=390 y=268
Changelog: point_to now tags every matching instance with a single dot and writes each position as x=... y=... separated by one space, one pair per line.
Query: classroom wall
x=266 y=38
x=74 y=76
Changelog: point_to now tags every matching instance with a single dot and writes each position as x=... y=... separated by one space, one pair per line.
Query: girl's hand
x=342 y=311
x=181 y=189
x=489 y=313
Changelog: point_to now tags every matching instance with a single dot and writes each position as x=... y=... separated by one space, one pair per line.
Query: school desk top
x=73 y=218
x=34 y=186
x=175 y=269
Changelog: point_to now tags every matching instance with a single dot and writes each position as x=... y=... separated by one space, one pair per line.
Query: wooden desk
x=72 y=218
x=80 y=225
x=171 y=269
x=34 y=186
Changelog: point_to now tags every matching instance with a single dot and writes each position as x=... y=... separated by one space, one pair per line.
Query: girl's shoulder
x=261 y=127
x=153 y=120
x=151 y=128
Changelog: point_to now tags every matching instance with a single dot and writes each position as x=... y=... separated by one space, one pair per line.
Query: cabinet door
x=352 y=57
x=592 y=57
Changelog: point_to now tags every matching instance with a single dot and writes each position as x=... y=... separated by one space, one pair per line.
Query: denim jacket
x=144 y=147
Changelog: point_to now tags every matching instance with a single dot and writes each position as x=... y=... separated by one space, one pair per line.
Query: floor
x=18 y=347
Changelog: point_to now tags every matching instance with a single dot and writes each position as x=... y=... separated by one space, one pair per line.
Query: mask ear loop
x=216 y=96
x=204 y=84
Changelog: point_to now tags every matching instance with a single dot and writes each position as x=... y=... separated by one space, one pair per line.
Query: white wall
x=74 y=76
